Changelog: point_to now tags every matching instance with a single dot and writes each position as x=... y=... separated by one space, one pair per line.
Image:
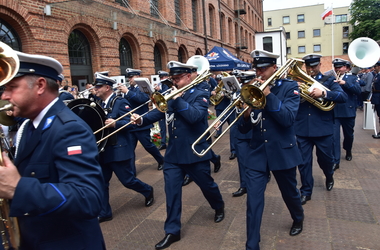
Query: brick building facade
x=111 y=35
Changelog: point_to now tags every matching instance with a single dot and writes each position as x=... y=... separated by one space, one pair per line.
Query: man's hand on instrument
x=123 y=88
x=136 y=119
x=111 y=122
x=9 y=178
x=317 y=93
x=217 y=126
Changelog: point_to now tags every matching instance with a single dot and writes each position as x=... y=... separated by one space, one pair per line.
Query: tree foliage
x=365 y=19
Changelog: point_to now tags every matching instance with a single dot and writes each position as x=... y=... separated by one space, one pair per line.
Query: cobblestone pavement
x=346 y=218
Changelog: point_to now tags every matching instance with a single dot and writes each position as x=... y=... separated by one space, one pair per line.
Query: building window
x=287 y=35
x=345 y=48
x=79 y=49
x=317 y=48
x=268 y=43
x=211 y=11
x=316 y=32
x=123 y=3
x=301 y=49
x=9 y=36
x=345 y=31
x=285 y=19
x=125 y=53
x=301 y=18
x=288 y=50
x=177 y=12
x=269 y=21
x=157 y=59
x=154 y=8
x=341 y=18
x=301 y=34
x=195 y=15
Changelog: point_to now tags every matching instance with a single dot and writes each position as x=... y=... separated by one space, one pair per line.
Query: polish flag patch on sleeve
x=127 y=107
x=296 y=92
x=74 y=150
x=204 y=99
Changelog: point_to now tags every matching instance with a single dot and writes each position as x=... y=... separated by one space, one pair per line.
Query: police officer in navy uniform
x=345 y=113
x=273 y=147
x=218 y=110
x=136 y=97
x=187 y=120
x=118 y=154
x=64 y=94
x=55 y=183
x=162 y=87
x=314 y=127
x=375 y=100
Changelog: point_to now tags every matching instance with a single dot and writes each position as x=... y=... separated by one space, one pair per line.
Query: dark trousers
x=125 y=173
x=347 y=125
x=173 y=176
x=324 y=153
x=241 y=146
x=143 y=136
x=229 y=120
x=256 y=185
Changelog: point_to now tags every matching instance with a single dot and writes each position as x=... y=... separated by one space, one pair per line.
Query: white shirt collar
x=41 y=115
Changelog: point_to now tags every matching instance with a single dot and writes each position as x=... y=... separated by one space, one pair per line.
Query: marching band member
x=314 y=127
x=118 y=155
x=64 y=93
x=142 y=134
x=273 y=148
x=187 y=119
x=345 y=113
x=55 y=182
x=375 y=100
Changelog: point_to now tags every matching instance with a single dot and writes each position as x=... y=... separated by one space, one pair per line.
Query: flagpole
x=332 y=32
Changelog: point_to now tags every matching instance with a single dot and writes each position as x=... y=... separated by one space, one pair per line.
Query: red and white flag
x=74 y=150
x=326 y=13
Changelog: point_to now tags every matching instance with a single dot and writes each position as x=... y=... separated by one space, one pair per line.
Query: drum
x=93 y=115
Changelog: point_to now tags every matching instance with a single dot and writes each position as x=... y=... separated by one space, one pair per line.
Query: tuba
x=9 y=65
x=297 y=74
x=364 y=52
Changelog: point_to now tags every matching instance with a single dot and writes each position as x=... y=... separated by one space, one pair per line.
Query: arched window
x=157 y=59
x=80 y=59
x=9 y=36
x=182 y=55
x=125 y=53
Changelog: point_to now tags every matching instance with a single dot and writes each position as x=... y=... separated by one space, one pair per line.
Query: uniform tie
x=30 y=130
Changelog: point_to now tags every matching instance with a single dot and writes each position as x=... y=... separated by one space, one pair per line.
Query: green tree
x=365 y=19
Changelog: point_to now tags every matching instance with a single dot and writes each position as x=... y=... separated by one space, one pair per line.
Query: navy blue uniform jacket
x=187 y=120
x=313 y=122
x=273 y=142
x=353 y=90
x=58 y=198
x=119 y=146
x=135 y=98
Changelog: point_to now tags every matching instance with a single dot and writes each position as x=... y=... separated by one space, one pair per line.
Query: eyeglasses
x=177 y=78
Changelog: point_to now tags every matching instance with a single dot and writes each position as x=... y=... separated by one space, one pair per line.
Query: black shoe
x=217 y=164
x=296 y=228
x=103 y=219
x=304 y=199
x=217 y=135
x=167 y=241
x=336 y=166
x=269 y=177
x=186 y=180
x=241 y=191
x=232 y=156
x=149 y=200
x=160 y=166
x=329 y=184
x=348 y=155
x=219 y=215
x=376 y=136
x=161 y=147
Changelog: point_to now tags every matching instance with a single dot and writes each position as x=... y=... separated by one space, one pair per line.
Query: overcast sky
x=282 y=4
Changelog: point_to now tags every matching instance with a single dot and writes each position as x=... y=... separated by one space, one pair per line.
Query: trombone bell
x=9 y=63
